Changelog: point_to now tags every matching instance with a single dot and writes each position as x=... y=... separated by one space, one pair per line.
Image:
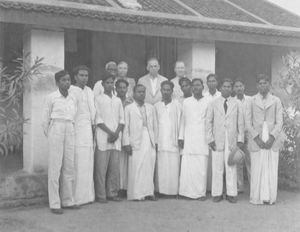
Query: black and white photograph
x=149 y=115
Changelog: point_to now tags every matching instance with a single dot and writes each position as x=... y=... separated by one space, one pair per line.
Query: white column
x=47 y=44
x=199 y=57
x=2 y=33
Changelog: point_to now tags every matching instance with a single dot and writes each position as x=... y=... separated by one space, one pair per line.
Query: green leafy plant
x=290 y=83
x=11 y=111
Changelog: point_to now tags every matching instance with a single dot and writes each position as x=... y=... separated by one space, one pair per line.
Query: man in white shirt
x=186 y=89
x=152 y=82
x=192 y=140
x=84 y=141
x=168 y=114
x=110 y=123
x=211 y=95
x=239 y=90
x=225 y=132
x=122 y=75
x=110 y=68
x=180 y=73
x=139 y=143
x=264 y=118
x=58 y=124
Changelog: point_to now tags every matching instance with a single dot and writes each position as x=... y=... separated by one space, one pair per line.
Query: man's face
x=197 y=87
x=139 y=94
x=186 y=88
x=166 y=92
x=153 y=67
x=239 y=88
x=122 y=70
x=263 y=86
x=226 y=89
x=212 y=83
x=108 y=85
x=121 y=89
x=112 y=69
x=64 y=82
x=180 y=69
x=82 y=77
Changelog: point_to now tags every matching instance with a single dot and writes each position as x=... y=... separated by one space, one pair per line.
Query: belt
x=61 y=120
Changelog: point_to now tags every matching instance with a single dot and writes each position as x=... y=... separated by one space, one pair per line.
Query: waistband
x=61 y=120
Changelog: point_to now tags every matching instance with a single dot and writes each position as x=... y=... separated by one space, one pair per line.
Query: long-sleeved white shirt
x=59 y=107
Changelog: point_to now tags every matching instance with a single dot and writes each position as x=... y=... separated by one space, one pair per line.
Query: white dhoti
x=193 y=176
x=84 y=166
x=123 y=170
x=264 y=173
x=168 y=172
x=141 y=166
x=61 y=168
x=219 y=161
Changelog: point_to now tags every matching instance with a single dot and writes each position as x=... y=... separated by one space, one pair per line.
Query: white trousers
x=84 y=175
x=219 y=161
x=264 y=176
x=61 y=167
x=193 y=176
x=141 y=166
x=168 y=172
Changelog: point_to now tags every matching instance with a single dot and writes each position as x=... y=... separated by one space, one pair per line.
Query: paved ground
x=163 y=215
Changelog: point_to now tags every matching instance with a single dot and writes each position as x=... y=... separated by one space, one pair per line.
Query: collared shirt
x=153 y=82
x=192 y=126
x=177 y=92
x=143 y=112
x=212 y=97
x=109 y=110
x=59 y=107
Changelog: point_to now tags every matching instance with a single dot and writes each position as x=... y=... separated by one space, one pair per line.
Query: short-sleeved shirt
x=109 y=110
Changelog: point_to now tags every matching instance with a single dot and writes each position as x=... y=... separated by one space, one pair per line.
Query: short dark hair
x=80 y=67
x=167 y=82
x=119 y=81
x=184 y=79
x=262 y=77
x=138 y=85
x=152 y=58
x=211 y=75
x=197 y=79
x=227 y=80
x=238 y=80
x=60 y=74
x=107 y=76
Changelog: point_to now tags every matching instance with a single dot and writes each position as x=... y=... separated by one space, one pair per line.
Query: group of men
x=159 y=136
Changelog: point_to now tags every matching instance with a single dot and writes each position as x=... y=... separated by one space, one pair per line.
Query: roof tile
x=90 y=2
x=219 y=9
x=269 y=12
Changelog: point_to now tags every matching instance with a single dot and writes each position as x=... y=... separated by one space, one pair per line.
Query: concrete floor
x=163 y=215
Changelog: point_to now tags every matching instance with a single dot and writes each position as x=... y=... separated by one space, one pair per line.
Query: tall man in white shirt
x=225 y=131
x=58 y=124
x=139 y=142
x=152 y=82
x=84 y=142
x=180 y=73
x=168 y=113
x=211 y=95
x=122 y=75
x=264 y=119
x=239 y=90
x=110 y=123
x=192 y=140
x=110 y=68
